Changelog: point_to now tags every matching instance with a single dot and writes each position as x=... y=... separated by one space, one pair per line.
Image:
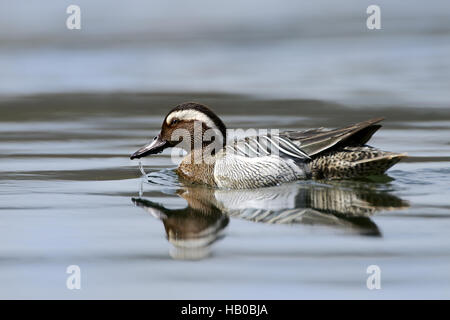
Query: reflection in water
x=193 y=229
x=190 y=230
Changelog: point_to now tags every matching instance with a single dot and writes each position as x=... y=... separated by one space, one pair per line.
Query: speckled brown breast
x=201 y=173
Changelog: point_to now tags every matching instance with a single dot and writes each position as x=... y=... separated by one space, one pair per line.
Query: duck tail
x=354 y=162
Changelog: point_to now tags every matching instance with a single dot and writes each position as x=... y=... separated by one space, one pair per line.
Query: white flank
x=239 y=172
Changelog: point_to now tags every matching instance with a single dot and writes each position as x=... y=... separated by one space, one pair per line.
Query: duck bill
x=156 y=146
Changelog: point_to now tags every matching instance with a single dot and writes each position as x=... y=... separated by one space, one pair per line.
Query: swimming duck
x=266 y=159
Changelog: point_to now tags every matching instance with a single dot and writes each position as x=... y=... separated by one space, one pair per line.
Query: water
x=284 y=49
x=71 y=196
x=75 y=104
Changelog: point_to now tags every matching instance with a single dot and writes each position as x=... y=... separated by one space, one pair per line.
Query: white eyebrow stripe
x=190 y=114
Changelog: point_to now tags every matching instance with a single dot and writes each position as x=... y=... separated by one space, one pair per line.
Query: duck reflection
x=193 y=229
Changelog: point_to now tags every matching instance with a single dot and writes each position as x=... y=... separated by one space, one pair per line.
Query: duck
x=269 y=158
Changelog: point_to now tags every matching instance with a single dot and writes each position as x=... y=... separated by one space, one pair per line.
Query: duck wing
x=315 y=141
x=265 y=145
x=302 y=145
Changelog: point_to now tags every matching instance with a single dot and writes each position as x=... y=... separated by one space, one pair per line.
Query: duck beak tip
x=134 y=156
x=156 y=146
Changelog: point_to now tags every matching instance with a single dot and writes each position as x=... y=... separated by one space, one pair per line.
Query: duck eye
x=174 y=121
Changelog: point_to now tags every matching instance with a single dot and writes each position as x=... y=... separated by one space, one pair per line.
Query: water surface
x=69 y=195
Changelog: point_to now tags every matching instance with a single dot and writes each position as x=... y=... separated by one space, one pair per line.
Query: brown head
x=186 y=126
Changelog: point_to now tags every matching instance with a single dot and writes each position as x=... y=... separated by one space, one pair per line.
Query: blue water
x=283 y=49
x=75 y=104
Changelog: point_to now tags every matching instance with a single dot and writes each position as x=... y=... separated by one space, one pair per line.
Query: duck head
x=188 y=126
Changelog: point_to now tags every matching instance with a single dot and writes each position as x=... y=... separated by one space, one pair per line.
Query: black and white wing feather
x=266 y=145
